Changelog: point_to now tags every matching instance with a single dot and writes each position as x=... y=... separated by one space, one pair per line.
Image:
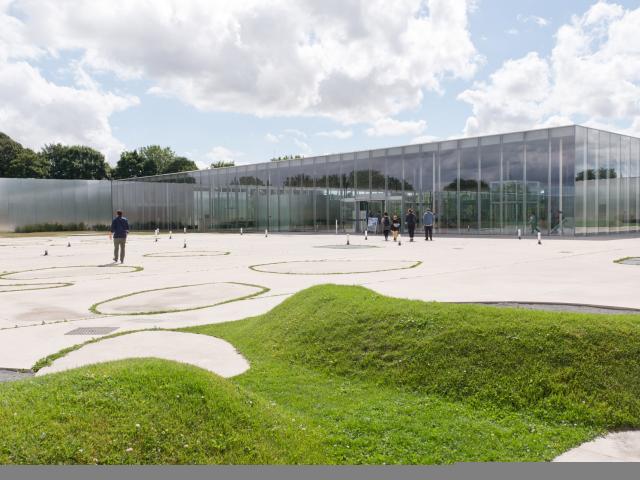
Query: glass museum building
x=561 y=181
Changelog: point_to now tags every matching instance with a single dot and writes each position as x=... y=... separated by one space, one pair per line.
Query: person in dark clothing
x=386 y=226
x=411 y=220
x=427 y=221
x=395 y=227
x=119 y=232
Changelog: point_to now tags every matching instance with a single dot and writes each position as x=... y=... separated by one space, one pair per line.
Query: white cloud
x=35 y=111
x=512 y=31
x=223 y=154
x=272 y=138
x=339 y=134
x=294 y=132
x=392 y=127
x=539 y=21
x=591 y=73
x=304 y=147
x=352 y=60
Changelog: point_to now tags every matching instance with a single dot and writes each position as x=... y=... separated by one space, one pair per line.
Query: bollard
x=519 y=234
x=241 y=233
x=68 y=244
x=365 y=235
x=170 y=233
x=539 y=238
x=185 y=229
x=399 y=239
x=266 y=233
x=347 y=239
x=336 y=226
x=45 y=253
x=185 y=244
x=156 y=239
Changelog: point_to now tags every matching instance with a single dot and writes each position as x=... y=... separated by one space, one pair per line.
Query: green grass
x=354 y=377
x=145 y=411
x=393 y=380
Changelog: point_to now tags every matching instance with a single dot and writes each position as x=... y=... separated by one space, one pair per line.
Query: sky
x=251 y=80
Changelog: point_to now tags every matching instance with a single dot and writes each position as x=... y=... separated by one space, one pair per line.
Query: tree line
x=85 y=163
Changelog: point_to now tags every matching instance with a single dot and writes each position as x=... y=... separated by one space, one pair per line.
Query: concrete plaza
x=222 y=277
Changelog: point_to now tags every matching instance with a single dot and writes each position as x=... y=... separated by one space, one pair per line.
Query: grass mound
x=144 y=411
x=568 y=368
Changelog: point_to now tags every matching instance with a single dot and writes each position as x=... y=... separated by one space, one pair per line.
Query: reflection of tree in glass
x=590 y=174
x=466 y=185
x=248 y=180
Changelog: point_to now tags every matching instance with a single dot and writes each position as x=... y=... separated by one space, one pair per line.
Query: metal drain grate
x=92 y=331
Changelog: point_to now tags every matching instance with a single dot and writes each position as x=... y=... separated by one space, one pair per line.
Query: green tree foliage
x=222 y=164
x=180 y=164
x=156 y=158
x=28 y=164
x=151 y=160
x=129 y=165
x=76 y=162
x=286 y=157
x=9 y=149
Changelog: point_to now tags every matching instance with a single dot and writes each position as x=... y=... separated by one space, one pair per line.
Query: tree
x=9 y=149
x=28 y=164
x=223 y=164
x=130 y=165
x=76 y=162
x=286 y=157
x=155 y=159
x=180 y=164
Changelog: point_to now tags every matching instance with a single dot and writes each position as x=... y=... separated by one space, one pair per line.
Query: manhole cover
x=346 y=247
x=629 y=261
x=92 y=331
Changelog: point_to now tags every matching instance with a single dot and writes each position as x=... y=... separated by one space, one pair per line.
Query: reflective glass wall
x=30 y=203
x=607 y=173
x=559 y=181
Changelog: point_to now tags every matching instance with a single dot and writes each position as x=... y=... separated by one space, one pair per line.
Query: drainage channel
x=561 y=307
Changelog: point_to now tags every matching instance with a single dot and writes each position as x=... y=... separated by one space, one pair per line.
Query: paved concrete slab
x=338 y=266
x=206 y=352
x=33 y=324
x=70 y=272
x=614 y=447
x=178 y=298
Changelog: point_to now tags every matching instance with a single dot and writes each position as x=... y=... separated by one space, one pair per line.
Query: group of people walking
x=393 y=225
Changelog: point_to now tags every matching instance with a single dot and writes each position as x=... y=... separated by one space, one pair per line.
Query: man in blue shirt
x=427 y=221
x=119 y=232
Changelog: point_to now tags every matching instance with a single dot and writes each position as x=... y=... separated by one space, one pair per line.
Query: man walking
x=119 y=232
x=427 y=221
x=411 y=220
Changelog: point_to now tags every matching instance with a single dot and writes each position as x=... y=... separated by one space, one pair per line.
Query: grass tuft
x=145 y=411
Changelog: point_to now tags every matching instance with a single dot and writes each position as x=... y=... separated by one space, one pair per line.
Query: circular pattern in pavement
x=613 y=447
x=22 y=287
x=177 y=299
x=67 y=272
x=629 y=261
x=210 y=353
x=187 y=253
x=334 y=267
